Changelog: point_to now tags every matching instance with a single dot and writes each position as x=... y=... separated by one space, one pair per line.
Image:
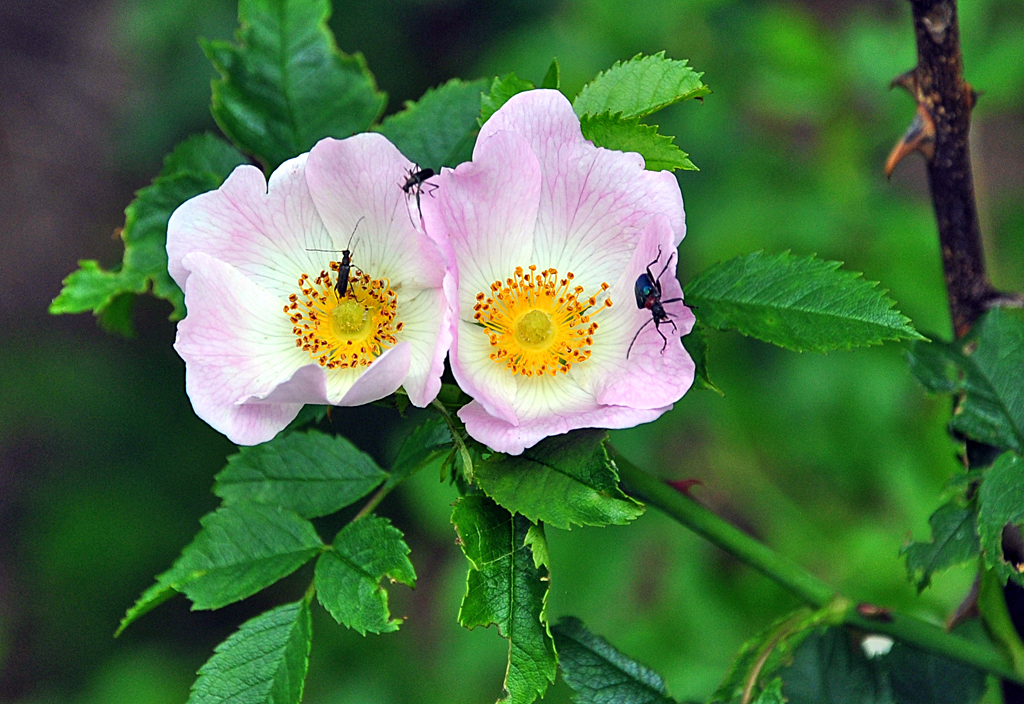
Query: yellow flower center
x=347 y=331
x=536 y=323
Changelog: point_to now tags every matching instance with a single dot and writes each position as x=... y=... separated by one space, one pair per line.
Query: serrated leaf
x=920 y=677
x=429 y=441
x=310 y=473
x=506 y=588
x=240 y=550
x=640 y=86
x=440 y=128
x=992 y=410
x=285 y=85
x=196 y=165
x=799 y=303
x=600 y=674
x=348 y=576
x=150 y=599
x=986 y=370
x=264 y=662
x=1001 y=502
x=697 y=347
x=553 y=78
x=627 y=134
x=954 y=542
x=501 y=90
x=563 y=481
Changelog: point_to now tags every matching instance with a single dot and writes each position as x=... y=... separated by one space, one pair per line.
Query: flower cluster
x=331 y=284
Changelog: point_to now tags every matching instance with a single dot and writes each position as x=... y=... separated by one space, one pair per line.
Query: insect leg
x=646 y=323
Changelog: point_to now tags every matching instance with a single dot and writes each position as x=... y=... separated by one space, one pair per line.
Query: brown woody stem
x=938 y=86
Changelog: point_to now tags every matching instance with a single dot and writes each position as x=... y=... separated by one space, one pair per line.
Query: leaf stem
x=375 y=500
x=796 y=579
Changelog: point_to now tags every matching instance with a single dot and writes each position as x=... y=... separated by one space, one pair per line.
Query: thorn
x=972 y=95
x=907 y=81
x=683 y=485
x=919 y=137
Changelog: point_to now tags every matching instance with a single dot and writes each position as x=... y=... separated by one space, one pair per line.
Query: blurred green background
x=834 y=460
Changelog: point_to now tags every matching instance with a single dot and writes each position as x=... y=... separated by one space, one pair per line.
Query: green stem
x=796 y=579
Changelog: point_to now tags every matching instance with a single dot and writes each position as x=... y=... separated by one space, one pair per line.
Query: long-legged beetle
x=345 y=266
x=648 y=295
x=415 y=182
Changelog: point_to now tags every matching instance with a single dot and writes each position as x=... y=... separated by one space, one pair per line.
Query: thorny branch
x=939 y=131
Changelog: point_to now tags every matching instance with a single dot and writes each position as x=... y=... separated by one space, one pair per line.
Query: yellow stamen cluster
x=346 y=331
x=537 y=323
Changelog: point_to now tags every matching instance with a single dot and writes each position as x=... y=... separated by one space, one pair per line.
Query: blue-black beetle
x=648 y=295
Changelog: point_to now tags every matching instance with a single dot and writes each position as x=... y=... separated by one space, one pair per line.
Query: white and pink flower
x=268 y=327
x=548 y=234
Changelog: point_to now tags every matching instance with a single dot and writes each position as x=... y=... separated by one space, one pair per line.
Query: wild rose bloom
x=269 y=328
x=549 y=234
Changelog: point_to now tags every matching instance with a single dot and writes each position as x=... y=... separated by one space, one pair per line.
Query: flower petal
x=595 y=202
x=238 y=350
x=427 y=329
x=502 y=436
x=361 y=177
x=487 y=210
x=657 y=371
x=381 y=378
x=262 y=233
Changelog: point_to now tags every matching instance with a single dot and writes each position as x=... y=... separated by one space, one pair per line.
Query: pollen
x=539 y=323
x=346 y=331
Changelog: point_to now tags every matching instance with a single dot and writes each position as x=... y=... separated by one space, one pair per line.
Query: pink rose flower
x=269 y=328
x=548 y=234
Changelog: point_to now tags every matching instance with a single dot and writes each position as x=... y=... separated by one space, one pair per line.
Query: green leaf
x=954 y=542
x=440 y=128
x=800 y=303
x=935 y=364
x=563 y=480
x=286 y=85
x=986 y=369
x=642 y=85
x=149 y=600
x=428 y=442
x=697 y=347
x=992 y=410
x=240 y=550
x=772 y=694
x=920 y=677
x=310 y=473
x=553 y=78
x=264 y=662
x=627 y=134
x=828 y=669
x=600 y=674
x=348 y=575
x=1001 y=502
x=506 y=588
x=501 y=90
x=761 y=657
x=197 y=165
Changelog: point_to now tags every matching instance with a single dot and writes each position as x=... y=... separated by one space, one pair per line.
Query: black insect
x=415 y=182
x=346 y=262
x=648 y=295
